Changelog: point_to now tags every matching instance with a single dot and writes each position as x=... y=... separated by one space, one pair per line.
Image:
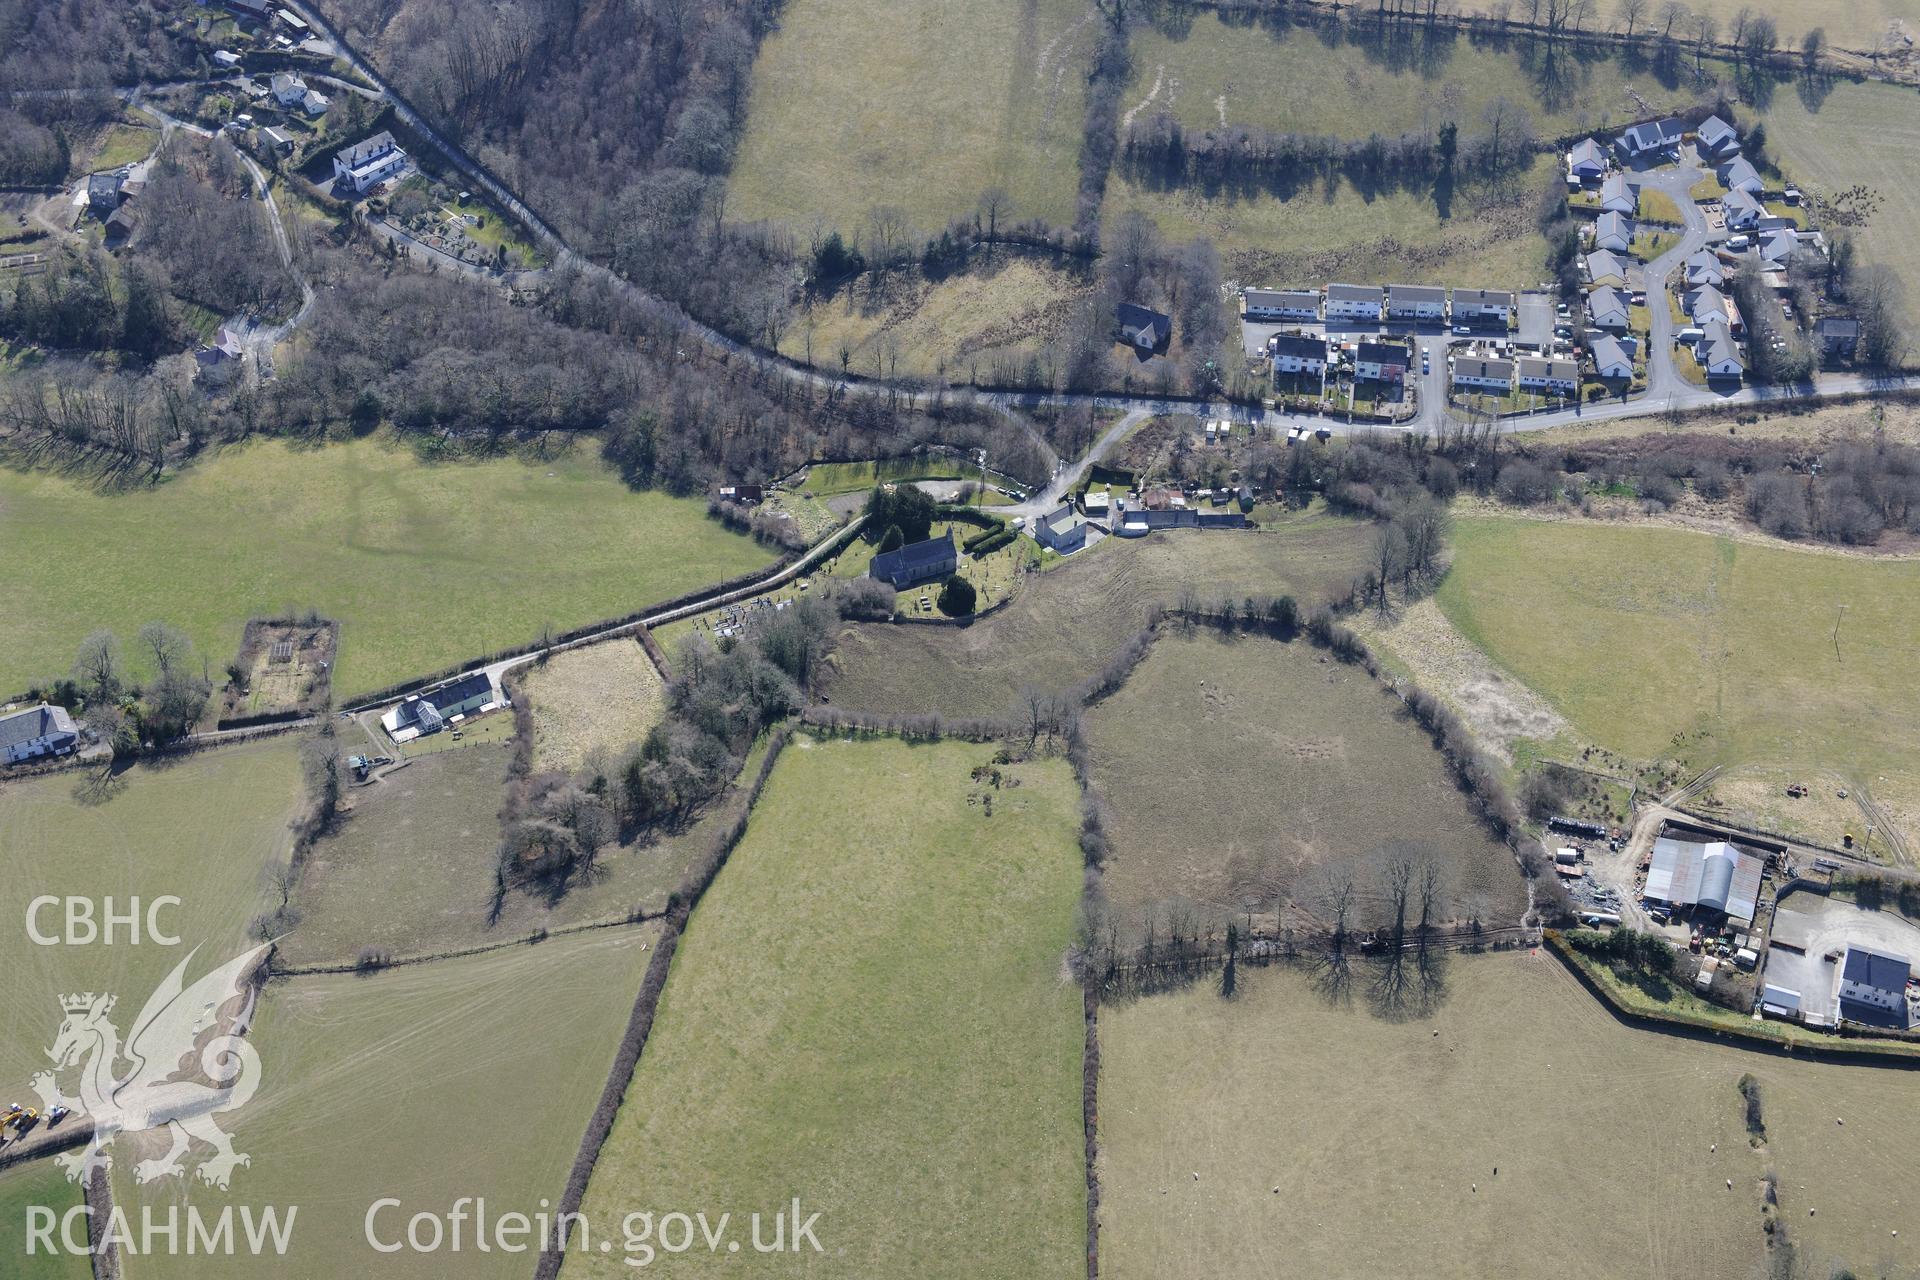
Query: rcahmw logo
x=177 y=1023
x=162 y=1231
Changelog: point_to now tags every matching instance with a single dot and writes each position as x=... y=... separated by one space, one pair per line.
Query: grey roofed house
x=1719 y=354
x=1707 y=301
x=1873 y=988
x=1381 y=353
x=1483 y=299
x=36 y=731
x=1479 y=369
x=1742 y=208
x=1610 y=359
x=1612 y=231
x=1298 y=346
x=1776 y=247
x=103 y=191
x=1411 y=295
x=1539 y=369
x=1288 y=300
x=1704 y=268
x=1587 y=158
x=916 y=562
x=429 y=711
x=1615 y=194
x=1837 y=334
x=1719 y=876
x=1358 y=293
x=1062 y=530
x=1607 y=307
x=1143 y=328
x=1605 y=264
x=1739 y=173
x=1652 y=136
x=1716 y=135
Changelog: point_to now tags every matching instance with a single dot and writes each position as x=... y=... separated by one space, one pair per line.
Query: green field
x=1205 y=723
x=37 y=1186
x=1665 y=644
x=1318 y=80
x=923 y=108
x=1491 y=241
x=1849 y=24
x=1861 y=134
x=155 y=833
x=1280 y=1135
x=868 y=1011
x=462 y=1078
x=424 y=565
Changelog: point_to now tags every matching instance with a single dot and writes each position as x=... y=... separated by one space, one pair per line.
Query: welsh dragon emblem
x=158 y=1087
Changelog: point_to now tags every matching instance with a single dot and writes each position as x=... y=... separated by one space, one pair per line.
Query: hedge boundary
x=680 y=905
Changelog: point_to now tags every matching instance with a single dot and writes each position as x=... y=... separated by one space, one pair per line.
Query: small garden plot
x=462 y=1078
x=284 y=665
x=1348 y=785
x=834 y=1027
x=600 y=698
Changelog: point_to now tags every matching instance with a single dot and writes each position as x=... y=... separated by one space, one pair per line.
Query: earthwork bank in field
x=834 y=1029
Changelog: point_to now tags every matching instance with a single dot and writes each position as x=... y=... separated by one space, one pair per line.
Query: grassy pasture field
x=602 y=697
x=423 y=565
x=1865 y=134
x=834 y=1027
x=1668 y=644
x=923 y=106
x=1320 y=79
x=1491 y=241
x=966 y=326
x=37 y=1186
x=1614 y=1146
x=1206 y=722
x=149 y=836
x=1067 y=620
x=471 y=1077
x=410 y=869
x=1849 y=24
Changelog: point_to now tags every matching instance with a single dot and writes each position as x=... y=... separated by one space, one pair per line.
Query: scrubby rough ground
x=600 y=698
x=1330 y=1143
x=1241 y=771
x=1499 y=709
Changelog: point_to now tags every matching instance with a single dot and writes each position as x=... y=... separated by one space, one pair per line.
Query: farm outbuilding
x=1718 y=876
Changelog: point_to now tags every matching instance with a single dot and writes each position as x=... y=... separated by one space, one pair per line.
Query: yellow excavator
x=18 y=1118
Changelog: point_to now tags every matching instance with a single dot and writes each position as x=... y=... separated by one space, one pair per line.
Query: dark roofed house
x=1837 y=335
x=38 y=731
x=1380 y=362
x=1145 y=330
x=103 y=192
x=1873 y=988
x=916 y=562
x=744 y=494
x=121 y=225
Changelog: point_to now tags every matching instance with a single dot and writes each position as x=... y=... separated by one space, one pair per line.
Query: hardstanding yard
x=1280 y=1135
x=1244 y=773
x=869 y=1011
